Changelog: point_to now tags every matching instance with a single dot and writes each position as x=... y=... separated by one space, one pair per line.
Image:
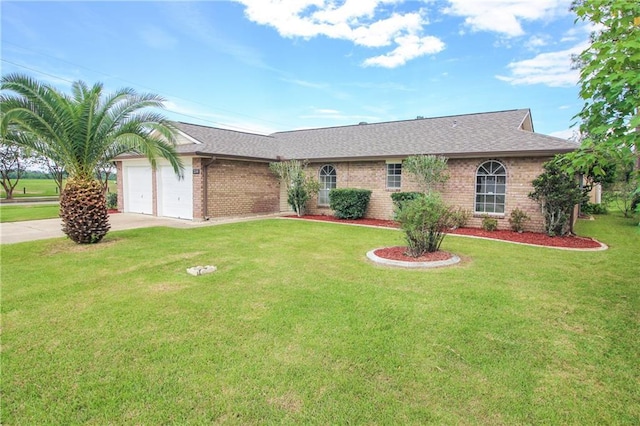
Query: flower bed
x=535 y=238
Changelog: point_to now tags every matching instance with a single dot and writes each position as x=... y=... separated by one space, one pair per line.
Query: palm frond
x=87 y=128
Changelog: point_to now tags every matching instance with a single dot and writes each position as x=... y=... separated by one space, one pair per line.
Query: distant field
x=32 y=211
x=40 y=188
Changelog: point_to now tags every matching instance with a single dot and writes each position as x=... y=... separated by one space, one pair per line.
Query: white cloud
x=409 y=47
x=536 y=42
x=570 y=134
x=367 y=23
x=505 y=16
x=553 y=69
x=580 y=31
x=326 y=111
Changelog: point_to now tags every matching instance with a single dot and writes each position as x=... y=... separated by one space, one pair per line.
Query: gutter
x=488 y=154
x=230 y=157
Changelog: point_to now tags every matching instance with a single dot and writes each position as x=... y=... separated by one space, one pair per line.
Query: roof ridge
x=403 y=121
x=226 y=130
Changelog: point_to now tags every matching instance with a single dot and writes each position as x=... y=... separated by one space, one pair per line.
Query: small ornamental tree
x=424 y=219
x=300 y=187
x=557 y=193
x=428 y=170
x=424 y=222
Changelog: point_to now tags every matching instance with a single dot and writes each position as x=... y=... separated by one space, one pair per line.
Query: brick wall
x=120 y=185
x=198 y=184
x=236 y=188
x=458 y=191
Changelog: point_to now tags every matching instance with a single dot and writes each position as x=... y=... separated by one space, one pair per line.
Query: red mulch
x=535 y=238
x=399 y=253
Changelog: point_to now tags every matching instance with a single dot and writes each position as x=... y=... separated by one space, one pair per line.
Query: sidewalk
x=17 y=232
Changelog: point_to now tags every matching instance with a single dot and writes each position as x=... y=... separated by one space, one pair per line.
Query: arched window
x=491 y=187
x=327 y=183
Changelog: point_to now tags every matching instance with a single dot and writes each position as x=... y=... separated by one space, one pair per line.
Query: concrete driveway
x=17 y=232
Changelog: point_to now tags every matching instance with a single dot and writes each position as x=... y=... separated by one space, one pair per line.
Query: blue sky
x=269 y=65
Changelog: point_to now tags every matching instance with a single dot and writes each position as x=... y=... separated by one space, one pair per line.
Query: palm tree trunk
x=83 y=209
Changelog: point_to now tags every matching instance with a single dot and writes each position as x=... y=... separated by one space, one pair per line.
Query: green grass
x=40 y=188
x=11 y=213
x=297 y=327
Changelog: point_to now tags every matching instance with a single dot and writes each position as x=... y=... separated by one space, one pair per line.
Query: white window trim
x=475 y=191
x=323 y=184
x=387 y=175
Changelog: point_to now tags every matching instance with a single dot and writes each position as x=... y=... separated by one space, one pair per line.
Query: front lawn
x=297 y=327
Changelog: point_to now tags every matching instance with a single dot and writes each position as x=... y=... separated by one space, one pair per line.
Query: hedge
x=349 y=203
x=399 y=198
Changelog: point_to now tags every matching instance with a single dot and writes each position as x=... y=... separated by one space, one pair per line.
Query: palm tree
x=81 y=131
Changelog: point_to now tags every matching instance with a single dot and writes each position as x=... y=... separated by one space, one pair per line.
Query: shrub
x=517 y=220
x=592 y=208
x=460 y=217
x=424 y=221
x=112 y=200
x=349 y=203
x=400 y=198
x=489 y=223
x=557 y=193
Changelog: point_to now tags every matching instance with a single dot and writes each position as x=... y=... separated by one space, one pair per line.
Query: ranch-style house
x=493 y=158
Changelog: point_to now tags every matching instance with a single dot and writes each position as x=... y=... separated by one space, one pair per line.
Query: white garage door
x=175 y=197
x=138 y=190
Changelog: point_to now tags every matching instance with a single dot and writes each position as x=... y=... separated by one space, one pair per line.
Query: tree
x=81 y=131
x=300 y=187
x=12 y=166
x=428 y=170
x=557 y=194
x=104 y=171
x=609 y=84
x=424 y=219
x=620 y=191
x=55 y=170
x=424 y=222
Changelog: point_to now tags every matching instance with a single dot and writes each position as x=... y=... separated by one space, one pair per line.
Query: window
x=394 y=175
x=491 y=187
x=327 y=183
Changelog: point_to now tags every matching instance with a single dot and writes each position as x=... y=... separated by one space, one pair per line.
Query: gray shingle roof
x=491 y=133
x=230 y=143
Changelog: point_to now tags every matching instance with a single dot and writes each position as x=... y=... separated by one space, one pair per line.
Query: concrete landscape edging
x=371 y=255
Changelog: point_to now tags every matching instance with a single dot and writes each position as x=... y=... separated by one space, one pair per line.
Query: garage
x=175 y=196
x=138 y=190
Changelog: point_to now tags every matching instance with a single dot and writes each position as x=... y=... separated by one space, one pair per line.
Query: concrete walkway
x=17 y=232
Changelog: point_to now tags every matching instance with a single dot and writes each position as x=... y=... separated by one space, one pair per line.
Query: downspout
x=205 y=187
